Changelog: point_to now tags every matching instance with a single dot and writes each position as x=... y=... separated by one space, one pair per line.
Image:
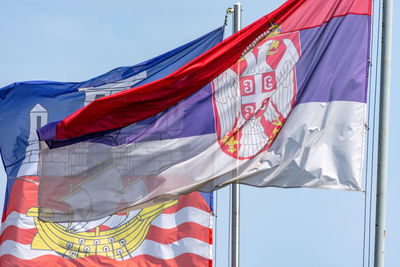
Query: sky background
x=78 y=40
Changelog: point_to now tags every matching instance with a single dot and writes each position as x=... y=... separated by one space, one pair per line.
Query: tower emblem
x=253 y=98
x=38 y=117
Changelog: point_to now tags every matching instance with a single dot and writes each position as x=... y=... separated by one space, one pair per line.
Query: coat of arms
x=254 y=97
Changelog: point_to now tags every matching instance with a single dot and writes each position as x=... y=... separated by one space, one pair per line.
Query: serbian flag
x=280 y=103
x=174 y=233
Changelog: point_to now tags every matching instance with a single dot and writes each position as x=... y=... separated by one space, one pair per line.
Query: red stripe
x=210 y=234
x=120 y=109
x=23 y=196
x=187 y=259
x=22 y=236
x=194 y=200
x=314 y=13
x=188 y=229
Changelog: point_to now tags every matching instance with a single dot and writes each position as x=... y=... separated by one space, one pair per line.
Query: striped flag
x=174 y=233
x=281 y=103
x=181 y=235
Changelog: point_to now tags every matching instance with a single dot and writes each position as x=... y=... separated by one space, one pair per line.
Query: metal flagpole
x=237 y=24
x=384 y=102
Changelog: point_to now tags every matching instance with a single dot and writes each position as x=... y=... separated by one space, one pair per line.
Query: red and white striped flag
x=180 y=235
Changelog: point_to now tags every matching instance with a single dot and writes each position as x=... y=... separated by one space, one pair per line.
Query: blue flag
x=27 y=106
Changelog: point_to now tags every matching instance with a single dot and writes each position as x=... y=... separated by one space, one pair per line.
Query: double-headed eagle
x=254 y=97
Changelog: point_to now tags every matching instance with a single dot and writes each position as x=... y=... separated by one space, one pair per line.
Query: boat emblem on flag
x=115 y=236
x=253 y=98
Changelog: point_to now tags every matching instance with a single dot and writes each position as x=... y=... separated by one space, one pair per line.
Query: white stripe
x=142 y=161
x=188 y=214
x=320 y=146
x=169 y=251
x=18 y=219
x=22 y=251
x=148 y=247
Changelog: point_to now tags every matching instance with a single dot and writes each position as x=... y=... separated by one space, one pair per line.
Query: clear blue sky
x=77 y=40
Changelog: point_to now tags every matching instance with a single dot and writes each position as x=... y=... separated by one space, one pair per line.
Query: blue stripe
x=334 y=61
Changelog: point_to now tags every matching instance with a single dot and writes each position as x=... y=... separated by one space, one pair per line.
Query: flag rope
x=368 y=128
x=228 y=12
x=377 y=70
x=230 y=225
x=371 y=140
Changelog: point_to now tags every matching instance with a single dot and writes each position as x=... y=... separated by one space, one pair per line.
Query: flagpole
x=237 y=24
x=384 y=102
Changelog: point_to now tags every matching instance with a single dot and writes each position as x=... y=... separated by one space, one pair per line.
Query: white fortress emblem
x=38 y=117
x=254 y=97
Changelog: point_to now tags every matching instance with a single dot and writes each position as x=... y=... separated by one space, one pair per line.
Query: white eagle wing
x=227 y=97
x=285 y=83
x=253 y=138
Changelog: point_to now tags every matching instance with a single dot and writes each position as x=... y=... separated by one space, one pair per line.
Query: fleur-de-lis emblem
x=278 y=124
x=230 y=141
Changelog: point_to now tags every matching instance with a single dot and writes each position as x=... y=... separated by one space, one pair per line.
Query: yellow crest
x=114 y=243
